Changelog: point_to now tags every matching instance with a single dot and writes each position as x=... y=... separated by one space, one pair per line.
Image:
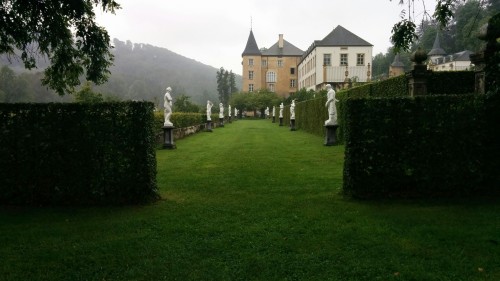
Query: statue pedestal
x=208 y=128
x=292 y=125
x=281 y=121
x=274 y=119
x=331 y=135
x=168 y=137
x=221 y=122
x=229 y=119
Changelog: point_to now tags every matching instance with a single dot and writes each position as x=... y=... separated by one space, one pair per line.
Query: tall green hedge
x=429 y=146
x=77 y=154
x=451 y=83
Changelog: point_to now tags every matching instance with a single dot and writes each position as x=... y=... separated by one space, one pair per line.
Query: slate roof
x=462 y=56
x=287 y=50
x=397 y=62
x=436 y=48
x=342 y=37
x=251 y=48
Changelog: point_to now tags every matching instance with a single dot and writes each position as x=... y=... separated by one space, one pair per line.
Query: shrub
x=77 y=154
x=429 y=146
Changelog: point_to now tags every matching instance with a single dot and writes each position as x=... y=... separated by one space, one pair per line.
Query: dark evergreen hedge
x=433 y=146
x=451 y=83
x=77 y=154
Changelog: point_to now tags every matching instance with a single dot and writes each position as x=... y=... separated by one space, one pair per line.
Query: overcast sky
x=215 y=32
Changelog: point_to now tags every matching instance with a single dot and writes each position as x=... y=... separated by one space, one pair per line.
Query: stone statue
x=274 y=111
x=221 y=110
x=281 y=110
x=330 y=104
x=168 y=108
x=292 y=110
x=267 y=112
x=209 y=110
x=229 y=110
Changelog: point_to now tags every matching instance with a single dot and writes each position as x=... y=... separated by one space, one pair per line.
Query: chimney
x=280 y=42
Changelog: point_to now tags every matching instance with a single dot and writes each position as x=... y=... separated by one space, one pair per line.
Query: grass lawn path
x=253 y=201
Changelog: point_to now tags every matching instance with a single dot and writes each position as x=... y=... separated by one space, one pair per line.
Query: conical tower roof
x=436 y=48
x=251 y=49
x=397 y=62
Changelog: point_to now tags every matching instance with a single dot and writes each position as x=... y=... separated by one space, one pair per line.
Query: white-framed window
x=250 y=88
x=327 y=59
x=250 y=61
x=292 y=70
x=264 y=63
x=360 y=59
x=280 y=63
x=271 y=88
x=271 y=77
x=250 y=75
x=293 y=83
x=343 y=59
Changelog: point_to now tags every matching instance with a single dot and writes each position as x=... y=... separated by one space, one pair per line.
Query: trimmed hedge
x=451 y=83
x=429 y=146
x=77 y=154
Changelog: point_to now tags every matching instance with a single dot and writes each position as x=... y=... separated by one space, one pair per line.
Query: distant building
x=340 y=56
x=440 y=61
x=397 y=67
x=274 y=69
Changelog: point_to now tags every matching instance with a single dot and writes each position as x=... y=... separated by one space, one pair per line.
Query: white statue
x=235 y=112
x=209 y=110
x=292 y=110
x=274 y=111
x=168 y=108
x=330 y=104
x=221 y=110
x=229 y=110
x=281 y=110
x=267 y=112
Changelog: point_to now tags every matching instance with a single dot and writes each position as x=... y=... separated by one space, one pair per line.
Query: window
x=280 y=63
x=271 y=87
x=360 y=59
x=250 y=75
x=292 y=70
x=343 y=59
x=271 y=77
x=292 y=83
x=327 y=59
x=250 y=88
x=264 y=63
x=250 y=61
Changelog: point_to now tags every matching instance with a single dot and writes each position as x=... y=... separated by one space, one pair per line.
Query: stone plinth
x=168 y=137
x=292 y=125
x=281 y=121
x=331 y=135
x=209 y=126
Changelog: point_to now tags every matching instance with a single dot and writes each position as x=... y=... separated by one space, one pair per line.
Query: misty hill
x=142 y=72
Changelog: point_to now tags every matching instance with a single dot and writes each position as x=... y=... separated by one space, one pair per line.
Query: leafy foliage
x=65 y=32
x=77 y=154
x=183 y=104
x=428 y=146
x=226 y=85
x=403 y=34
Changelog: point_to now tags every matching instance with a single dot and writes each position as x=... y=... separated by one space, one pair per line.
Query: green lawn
x=253 y=201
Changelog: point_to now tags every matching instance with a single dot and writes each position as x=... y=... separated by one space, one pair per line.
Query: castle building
x=440 y=61
x=340 y=57
x=274 y=69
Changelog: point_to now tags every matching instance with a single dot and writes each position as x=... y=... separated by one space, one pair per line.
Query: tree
x=87 y=95
x=183 y=104
x=404 y=32
x=226 y=84
x=63 y=31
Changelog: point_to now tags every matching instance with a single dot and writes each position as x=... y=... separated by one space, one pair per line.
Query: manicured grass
x=253 y=201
